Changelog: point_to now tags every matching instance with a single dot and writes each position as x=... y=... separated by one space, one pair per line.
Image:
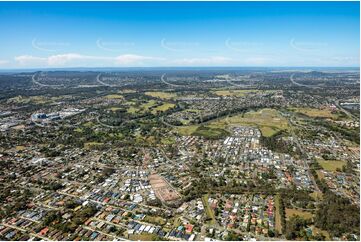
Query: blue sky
x=112 y=34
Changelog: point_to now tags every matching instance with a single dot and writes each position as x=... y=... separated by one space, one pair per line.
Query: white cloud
x=134 y=59
x=63 y=59
x=74 y=59
x=4 y=62
x=26 y=60
x=214 y=60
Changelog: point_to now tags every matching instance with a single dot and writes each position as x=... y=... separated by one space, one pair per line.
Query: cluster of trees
x=335 y=214
x=282 y=212
x=297 y=229
x=79 y=218
x=338 y=215
x=277 y=144
x=349 y=134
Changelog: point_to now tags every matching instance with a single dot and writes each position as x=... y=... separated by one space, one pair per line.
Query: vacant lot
x=162 y=189
x=331 y=165
x=269 y=121
x=290 y=212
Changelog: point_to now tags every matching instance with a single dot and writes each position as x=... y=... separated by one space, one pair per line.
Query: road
x=302 y=85
x=25 y=231
x=306 y=166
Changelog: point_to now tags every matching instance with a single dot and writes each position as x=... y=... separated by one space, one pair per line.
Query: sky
x=189 y=34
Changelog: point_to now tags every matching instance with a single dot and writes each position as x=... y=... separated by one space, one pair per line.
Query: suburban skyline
x=179 y=34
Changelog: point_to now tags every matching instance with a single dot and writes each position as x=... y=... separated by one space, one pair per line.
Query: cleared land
x=143 y=107
x=316 y=231
x=143 y=237
x=114 y=109
x=210 y=133
x=269 y=121
x=163 y=107
x=278 y=225
x=162 y=189
x=290 y=212
x=114 y=96
x=186 y=130
x=316 y=195
x=162 y=95
x=331 y=165
x=90 y=145
x=208 y=210
x=315 y=113
x=233 y=93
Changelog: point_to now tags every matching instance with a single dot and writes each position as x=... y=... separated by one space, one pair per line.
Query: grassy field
x=78 y=130
x=148 y=104
x=320 y=174
x=168 y=140
x=208 y=210
x=133 y=109
x=331 y=165
x=315 y=113
x=269 y=121
x=88 y=124
x=155 y=220
x=316 y=231
x=142 y=108
x=20 y=147
x=210 y=133
x=278 y=225
x=143 y=237
x=233 y=93
x=127 y=91
x=162 y=95
x=90 y=145
x=114 y=96
x=37 y=99
x=186 y=130
x=113 y=109
x=293 y=212
x=163 y=107
x=316 y=195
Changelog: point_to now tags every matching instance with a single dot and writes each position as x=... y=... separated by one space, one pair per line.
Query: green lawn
x=114 y=96
x=162 y=95
x=163 y=107
x=278 y=225
x=210 y=133
x=331 y=165
x=208 y=210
